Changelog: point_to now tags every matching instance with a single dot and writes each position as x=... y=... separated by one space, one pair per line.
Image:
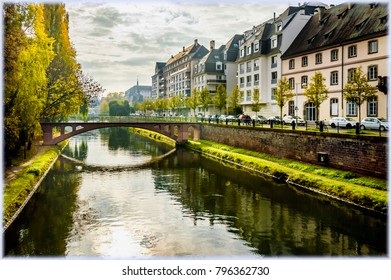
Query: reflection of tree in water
x=54 y=203
x=119 y=137
x=79 y=150
x=274 y=218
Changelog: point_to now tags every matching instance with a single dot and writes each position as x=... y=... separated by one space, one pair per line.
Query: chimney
x=183 y=48
x=274 y=16
x=320 y=10
x=212 y=44
x=196 y=42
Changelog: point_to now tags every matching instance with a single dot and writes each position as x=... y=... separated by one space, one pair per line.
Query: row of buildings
x=334 y=40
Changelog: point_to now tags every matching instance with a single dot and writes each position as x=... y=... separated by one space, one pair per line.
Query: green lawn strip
x=339 y=175
x=336 y=186
x=16 y=191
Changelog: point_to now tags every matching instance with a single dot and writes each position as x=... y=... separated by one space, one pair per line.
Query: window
x=304 y=81
x=248 y=50
x=292 y=83
x=256 y=47
x=304 y=61
x=274 y=42
x=352 y=51
x=241 y=82
x=256 y=64
x=372 y=46
x=334 y=78
x=241 y=68
x=351 y=73
x=274 y=77
x=279 y=26
x=241 y=52
x=372 y=106
x=274 y=90
x=372 y=73
x=219 y=66
x=291 y=108
x=256 y=79
x=318 y=58
x=249 y=66
x=274 y=61
x=351 y=109
x=292 y=64
x=249 y=81
x=334 y=107
x=334 y=55
x=248 y=93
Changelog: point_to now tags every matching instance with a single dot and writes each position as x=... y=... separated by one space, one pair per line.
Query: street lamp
x=296 y=102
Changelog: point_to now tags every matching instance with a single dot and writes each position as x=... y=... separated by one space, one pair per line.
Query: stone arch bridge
x=178 y=131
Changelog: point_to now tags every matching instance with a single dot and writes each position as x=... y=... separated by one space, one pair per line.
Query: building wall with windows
x=259 y=61
x=158 y=81
x=177 y=73
x=336 y=42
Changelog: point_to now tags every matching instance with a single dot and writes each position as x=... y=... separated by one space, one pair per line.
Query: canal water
x=119 y=195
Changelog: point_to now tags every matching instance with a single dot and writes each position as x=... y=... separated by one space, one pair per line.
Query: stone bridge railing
x=178 y=131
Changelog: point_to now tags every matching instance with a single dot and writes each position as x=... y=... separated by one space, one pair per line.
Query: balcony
x=214 y=81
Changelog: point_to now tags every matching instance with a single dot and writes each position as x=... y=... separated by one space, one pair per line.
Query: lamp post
x=296 y=102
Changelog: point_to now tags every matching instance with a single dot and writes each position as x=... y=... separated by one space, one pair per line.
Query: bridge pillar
x=47 y=133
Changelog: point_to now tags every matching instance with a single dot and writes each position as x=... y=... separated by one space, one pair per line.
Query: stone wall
x=360 y=154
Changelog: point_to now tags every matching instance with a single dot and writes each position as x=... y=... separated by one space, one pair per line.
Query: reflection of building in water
x=138 y=93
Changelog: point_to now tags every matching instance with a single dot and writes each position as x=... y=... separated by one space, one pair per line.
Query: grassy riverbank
x=370 y=193
x=25 y=178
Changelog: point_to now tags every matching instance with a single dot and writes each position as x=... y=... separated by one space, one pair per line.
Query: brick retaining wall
x=360 y=154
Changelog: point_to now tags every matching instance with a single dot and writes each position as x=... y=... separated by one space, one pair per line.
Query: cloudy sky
x=118 y=42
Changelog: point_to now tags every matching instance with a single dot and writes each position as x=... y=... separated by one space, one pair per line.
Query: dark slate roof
x=232 y=47
x=338 y=25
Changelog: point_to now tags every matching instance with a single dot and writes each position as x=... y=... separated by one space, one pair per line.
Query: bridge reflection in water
x=176 y=130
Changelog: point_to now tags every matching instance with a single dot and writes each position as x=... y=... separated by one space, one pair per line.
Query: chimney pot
x=212 y=44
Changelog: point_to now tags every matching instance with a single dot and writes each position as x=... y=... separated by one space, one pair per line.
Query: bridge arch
x=178 y=131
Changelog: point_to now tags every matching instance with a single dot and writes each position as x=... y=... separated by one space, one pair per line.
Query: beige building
x=259 y=61
x=177 y=72
x=335 y=42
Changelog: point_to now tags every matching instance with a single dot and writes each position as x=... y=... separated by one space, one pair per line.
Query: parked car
x=231 y=118
x=342 y=122
x=222 y=118
x=275 y=119
x=374 y=123
x=214 y=118
x=290 y=119
x=259 y=119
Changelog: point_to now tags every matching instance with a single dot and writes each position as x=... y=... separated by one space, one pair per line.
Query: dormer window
x=328 y=34
x=311 y=40
x=323 y=21
x=342 y=15
x=274 y=42
x=361 y=24
x=278 y=26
